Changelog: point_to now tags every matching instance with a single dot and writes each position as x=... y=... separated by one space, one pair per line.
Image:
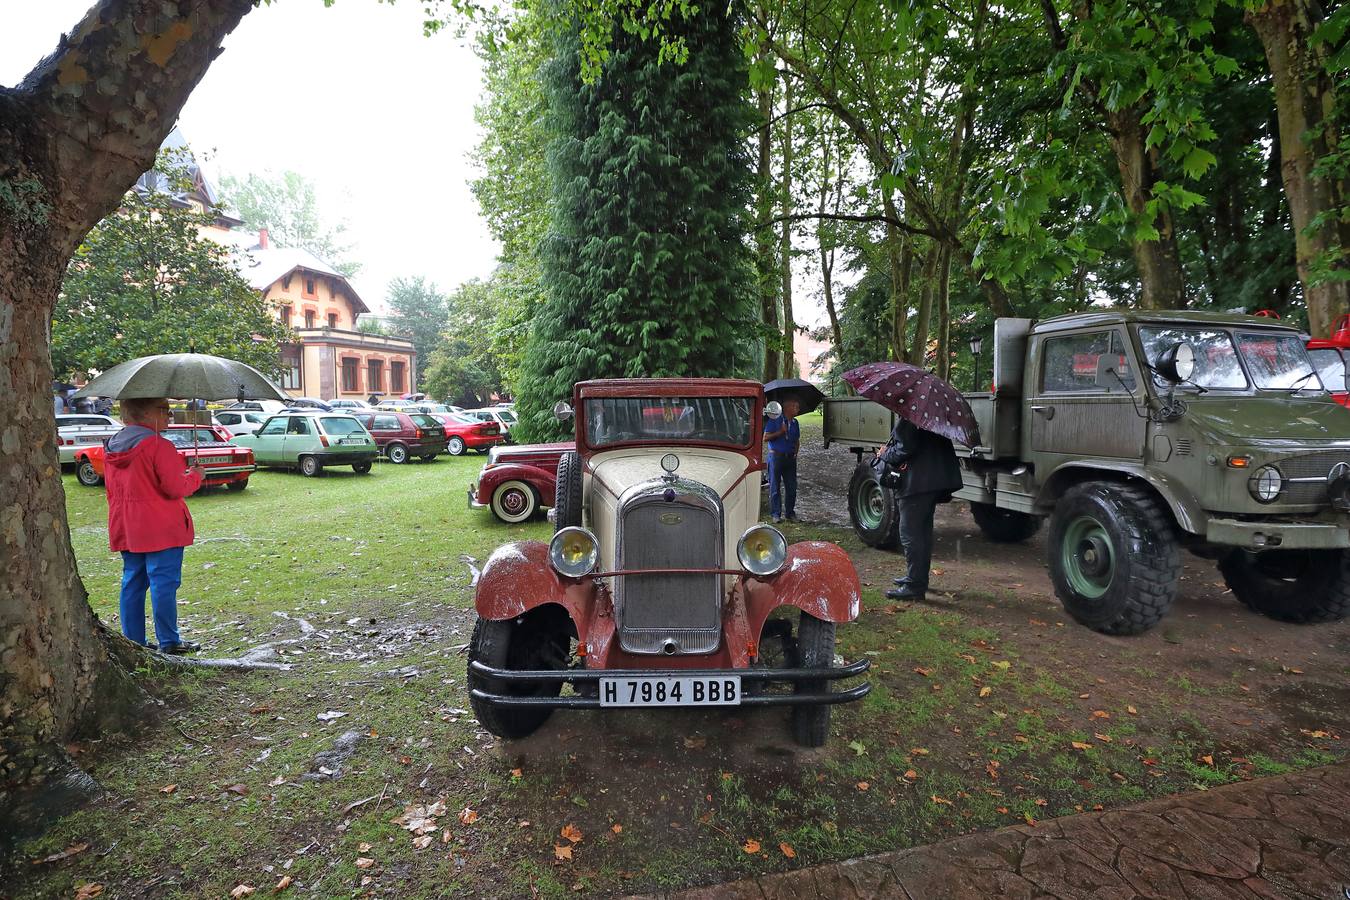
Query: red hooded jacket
x=147 y=482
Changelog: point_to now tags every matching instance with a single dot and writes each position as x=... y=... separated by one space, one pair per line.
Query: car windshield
x=1330 y=367
x=1216 y=359
x=435 y=408
x=422 y=420
x=340 y=425
x=465 y=419
x=186 y=437
x=1278 y=361
x=721 y=420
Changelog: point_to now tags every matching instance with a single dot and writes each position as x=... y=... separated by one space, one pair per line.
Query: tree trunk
x=827 y=254
x=74 y=136
x=1161 y=281
x=1305 y=104
x=900 y=251
x=919 y=349
x=766 y=270
x=789 y=368
x=944 y=335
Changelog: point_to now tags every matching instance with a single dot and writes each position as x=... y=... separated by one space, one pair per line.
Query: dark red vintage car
x=518 y=481
x=224 y=463
x=661 y=587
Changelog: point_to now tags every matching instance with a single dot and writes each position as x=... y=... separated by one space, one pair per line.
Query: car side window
x=274 y=426
x=228 y=418
x=386 y=423
x=298 y=426
x=1071 y=364
x=253 y=418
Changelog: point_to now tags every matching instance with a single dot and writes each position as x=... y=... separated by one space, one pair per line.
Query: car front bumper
x=1277 y=535
x=752 y=675
x=473 y=498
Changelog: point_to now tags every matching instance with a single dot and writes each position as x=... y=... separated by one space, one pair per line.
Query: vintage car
x=225 y=464
x=658 y=585
x=517 y=481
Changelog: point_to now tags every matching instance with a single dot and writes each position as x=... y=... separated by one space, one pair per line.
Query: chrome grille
x=652 y=611
x=1306 y=476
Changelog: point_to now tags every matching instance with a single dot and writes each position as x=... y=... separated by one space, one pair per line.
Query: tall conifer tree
x=645 y=267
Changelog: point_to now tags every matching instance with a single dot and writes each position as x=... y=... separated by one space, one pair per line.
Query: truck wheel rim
x=871 y=505
x=1088 y=557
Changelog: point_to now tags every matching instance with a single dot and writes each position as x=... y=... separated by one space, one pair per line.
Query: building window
x=374 y=373
x=290 y=367
x=309 y=287
x=349 y=375
x=284 y=314
x=309 y=318
x=396 y=377
x=332 y=320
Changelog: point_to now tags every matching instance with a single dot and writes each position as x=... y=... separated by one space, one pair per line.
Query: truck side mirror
x=1177 y=363
x=562 y=410
x=1106 y=372
x=773 y=410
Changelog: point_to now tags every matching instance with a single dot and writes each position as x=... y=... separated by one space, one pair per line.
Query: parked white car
x=505 y=418
x=270 y=407
x=240 y=421
x=349 y=404
x=81 y=430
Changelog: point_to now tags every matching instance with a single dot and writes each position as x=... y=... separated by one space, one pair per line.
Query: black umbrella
x=807 y=395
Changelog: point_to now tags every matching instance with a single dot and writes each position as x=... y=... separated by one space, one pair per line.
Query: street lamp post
x=976 y=344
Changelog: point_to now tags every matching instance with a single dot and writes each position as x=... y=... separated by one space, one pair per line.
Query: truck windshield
x=1330 y=367
x=1216 y=359
x=1278 y=361
x=616 y=420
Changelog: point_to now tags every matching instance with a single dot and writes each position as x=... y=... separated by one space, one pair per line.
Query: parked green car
x=310 y=440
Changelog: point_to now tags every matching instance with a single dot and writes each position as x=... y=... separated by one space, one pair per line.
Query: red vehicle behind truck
x=516 y=482
x=1329 y=355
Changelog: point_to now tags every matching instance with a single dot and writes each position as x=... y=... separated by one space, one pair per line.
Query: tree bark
x=944 y=335
x=918 y=351
x=765 y=270
x=827 y=253
x=1305 y=104
x=900 y=251
x=789 y=368
x=74 y=136
x=1162 y=284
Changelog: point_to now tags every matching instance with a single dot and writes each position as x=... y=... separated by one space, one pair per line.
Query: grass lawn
x=361 y=583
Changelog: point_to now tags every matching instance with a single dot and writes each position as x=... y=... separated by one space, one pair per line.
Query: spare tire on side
x=873 y=509
x=567 y=495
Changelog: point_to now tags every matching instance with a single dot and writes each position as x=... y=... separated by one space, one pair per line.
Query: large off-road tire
x=84 y=472
x=397 y=454
x=310 y=467
x=1301 y=586
x=1004 y=526
x=873 y=509
x=815 y=650
x=567 y=496
x=237 y=486
x=455 y=446
x=521 y=644
x=1114 y=557
x=514 y=502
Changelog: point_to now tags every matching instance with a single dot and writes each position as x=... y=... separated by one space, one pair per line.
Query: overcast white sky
x=354 y=98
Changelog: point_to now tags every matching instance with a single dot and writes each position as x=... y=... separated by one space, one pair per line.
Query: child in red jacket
x=148 y=520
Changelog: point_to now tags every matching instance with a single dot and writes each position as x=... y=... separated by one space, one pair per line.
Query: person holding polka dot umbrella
x=920 y=463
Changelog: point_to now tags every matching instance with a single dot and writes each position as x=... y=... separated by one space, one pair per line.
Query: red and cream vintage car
x=518 y=481
x=658 y=586
x=223 y=462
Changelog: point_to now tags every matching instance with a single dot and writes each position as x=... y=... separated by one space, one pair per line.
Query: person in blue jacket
x=783 y=436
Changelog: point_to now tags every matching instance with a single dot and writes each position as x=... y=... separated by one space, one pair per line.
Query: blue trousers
x=782 y=468
x=161 y=572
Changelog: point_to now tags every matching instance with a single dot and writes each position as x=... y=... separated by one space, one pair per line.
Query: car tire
x=1114 y=557
x=1004 y=526
x=514 y=502
x=396 y=454
x=361 y=468
x=873 y=509
x=533 y=641
x=428 y=457
x=455 y=446
x=310 y=467
x=815 y=650
x=1299 y=586
x=237 y=486
x=567 y=498
x=85 y=473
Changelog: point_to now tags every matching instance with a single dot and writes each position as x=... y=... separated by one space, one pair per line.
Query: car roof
x=669 y=387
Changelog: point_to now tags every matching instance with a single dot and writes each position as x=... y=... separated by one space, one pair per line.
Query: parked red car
x=225 y=463
x=1329 y=356
x=467 y=433
x=516 y=482
x=400 y=435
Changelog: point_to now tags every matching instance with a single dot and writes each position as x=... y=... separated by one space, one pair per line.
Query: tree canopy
x=288 y=207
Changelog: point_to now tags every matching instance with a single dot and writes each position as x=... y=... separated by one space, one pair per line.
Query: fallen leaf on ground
x=423 y=842
x=259 y=710
x=750 y=846
x=70 y=851
x=517 y=773
x=863 y=785
x=1030 y=820
x=922 y=671
x=986 y=691
x=1100 y=714
x=242 y=890
x=1039 y=801
x=616 y=828
x=364 y=862
x=561 y=852
x=571 y=832
x=992 y=769
x=1079 y=745
x=1104 y=738
x=1002 y=810
x=445 y=835
x=787 y=850
x=1319 y=733
x=696 y=742
x=1132 y=711
x=468 y=816
x=284 y=883
x=918 y=751
x=940 y=800
x=1207 y=760
x=911 y=774
x=968 y=658
x=857 y=747
x=240 y=789
x=331 y=716
x=168 y=789
x=1002 y=664
x=1084 y=696
x=85 y=891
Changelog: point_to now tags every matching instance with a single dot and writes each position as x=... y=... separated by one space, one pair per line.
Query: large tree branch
x=874 y=218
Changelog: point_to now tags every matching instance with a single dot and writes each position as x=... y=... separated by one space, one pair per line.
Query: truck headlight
x=1265 y=484
x=762 y=550
x=574 y=552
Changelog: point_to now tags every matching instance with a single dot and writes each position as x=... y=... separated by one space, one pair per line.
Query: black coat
x=926 y=459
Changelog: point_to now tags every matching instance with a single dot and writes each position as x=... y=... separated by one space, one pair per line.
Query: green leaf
x=858 y=747
x=1197 y=162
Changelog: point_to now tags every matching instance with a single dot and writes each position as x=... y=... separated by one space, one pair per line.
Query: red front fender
x=517 y=578
x=818 y=578
x=544 y=482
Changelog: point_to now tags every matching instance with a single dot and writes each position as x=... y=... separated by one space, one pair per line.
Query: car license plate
x=671 y=690
x=352 y=441
x=211 y=460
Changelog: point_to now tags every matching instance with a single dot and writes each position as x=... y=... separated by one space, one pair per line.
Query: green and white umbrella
x=183 y=376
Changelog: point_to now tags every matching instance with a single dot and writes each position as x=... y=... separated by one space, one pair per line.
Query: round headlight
x=574 y=552
x=1266 y=484
x=762 y=550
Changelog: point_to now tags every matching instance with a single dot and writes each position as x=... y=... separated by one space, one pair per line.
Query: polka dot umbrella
x=919 y=396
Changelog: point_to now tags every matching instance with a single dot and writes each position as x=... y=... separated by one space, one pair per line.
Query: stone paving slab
x=1281 y=837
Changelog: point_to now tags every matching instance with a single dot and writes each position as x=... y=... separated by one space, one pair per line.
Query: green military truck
x=1138 y=434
